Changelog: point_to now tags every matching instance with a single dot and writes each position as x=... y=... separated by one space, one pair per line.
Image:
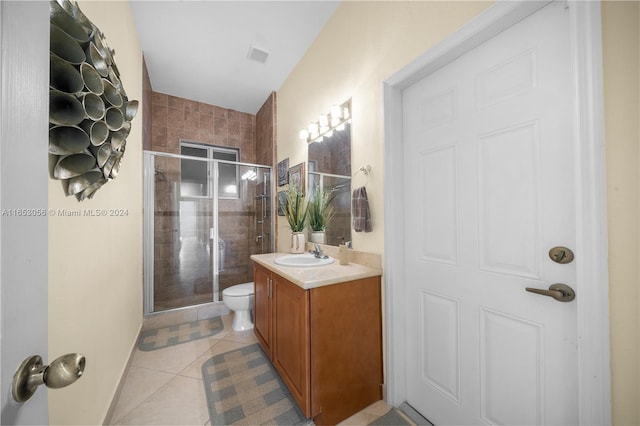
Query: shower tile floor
x=164 y=386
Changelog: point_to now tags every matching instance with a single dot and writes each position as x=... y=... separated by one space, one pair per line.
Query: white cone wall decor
x=89 y=112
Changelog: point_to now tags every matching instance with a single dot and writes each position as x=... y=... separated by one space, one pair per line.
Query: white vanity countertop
x=316 y=276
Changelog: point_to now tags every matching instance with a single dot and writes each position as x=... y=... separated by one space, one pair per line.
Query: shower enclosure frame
x=149 y=222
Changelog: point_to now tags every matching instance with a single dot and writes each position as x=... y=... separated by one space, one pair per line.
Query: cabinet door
x=346 y=336
x=291 y=345
x=262 y=307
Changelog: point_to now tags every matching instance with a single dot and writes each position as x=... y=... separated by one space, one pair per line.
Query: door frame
x=591 y=238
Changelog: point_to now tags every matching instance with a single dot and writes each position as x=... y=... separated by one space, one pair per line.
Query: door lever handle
x=560 y=292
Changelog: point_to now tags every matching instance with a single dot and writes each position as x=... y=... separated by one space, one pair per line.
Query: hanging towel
x=360 y=210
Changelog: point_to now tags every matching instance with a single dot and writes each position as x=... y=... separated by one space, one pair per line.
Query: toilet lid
x=245 y=289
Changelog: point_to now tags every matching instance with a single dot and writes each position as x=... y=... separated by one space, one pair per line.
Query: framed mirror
x=329 y=167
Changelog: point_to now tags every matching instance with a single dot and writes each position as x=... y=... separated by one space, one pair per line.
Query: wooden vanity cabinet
x=325 y=342
x=262 y=307
x=291 y=346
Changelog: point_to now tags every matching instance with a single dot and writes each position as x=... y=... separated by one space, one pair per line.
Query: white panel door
x=489 y=173
x=24 y=68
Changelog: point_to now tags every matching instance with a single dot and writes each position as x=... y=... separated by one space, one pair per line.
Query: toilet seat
x=239 y=290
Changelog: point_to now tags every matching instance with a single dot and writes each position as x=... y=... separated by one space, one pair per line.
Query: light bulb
x=249 y=175
x=324 y=120
x=304 y=134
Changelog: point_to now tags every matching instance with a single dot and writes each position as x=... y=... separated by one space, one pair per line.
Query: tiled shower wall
x=173 y=119
x=176 y=118
x=146 y=107
x=266 y=132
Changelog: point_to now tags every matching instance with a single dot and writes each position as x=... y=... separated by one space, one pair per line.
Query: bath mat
x=392 y=418
x=158 y=338
x=242 y=387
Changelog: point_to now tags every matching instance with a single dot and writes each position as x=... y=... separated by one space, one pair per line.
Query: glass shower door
x=183 y=225
x=204 y=218
x=244 y=225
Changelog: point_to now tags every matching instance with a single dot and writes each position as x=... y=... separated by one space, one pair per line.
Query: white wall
x=95 y=263
x=362 y=44
x=365 y=42
x=621 y=51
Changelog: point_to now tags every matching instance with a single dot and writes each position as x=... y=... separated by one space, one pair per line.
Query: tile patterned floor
x=164 y=386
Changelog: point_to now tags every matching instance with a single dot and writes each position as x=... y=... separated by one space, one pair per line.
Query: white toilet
x=239 y=298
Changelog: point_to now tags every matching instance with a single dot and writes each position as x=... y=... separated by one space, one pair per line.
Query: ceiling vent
x=257 y=54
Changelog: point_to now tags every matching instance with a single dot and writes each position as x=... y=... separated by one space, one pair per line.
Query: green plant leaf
x=320 y=209
x=296 y=210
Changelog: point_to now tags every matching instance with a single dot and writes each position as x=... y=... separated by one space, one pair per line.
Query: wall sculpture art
x=89 y=112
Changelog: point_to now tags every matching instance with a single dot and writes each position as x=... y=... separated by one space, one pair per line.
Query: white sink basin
x=303 y=260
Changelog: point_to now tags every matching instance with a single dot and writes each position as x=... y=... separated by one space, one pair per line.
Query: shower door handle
x=212 y=233
x=264 y=207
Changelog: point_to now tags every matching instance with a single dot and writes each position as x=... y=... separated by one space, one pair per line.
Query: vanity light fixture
x=327 y=123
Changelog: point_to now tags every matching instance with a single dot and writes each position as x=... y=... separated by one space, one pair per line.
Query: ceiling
x=199 y=50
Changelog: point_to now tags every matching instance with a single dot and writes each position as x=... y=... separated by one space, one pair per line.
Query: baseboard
x=116 y=395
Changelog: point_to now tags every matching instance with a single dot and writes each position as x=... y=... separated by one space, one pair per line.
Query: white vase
x=297 y=242
x=318 y=237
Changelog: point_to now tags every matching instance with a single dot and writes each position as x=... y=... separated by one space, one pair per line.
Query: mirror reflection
x=329 y=168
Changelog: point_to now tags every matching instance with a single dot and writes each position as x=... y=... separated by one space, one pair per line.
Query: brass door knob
x=62 y=372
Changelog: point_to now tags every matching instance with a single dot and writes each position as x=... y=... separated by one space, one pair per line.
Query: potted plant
x=296 y=212
x=320 y=214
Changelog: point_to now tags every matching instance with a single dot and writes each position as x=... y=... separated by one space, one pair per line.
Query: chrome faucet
x=317 y=252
